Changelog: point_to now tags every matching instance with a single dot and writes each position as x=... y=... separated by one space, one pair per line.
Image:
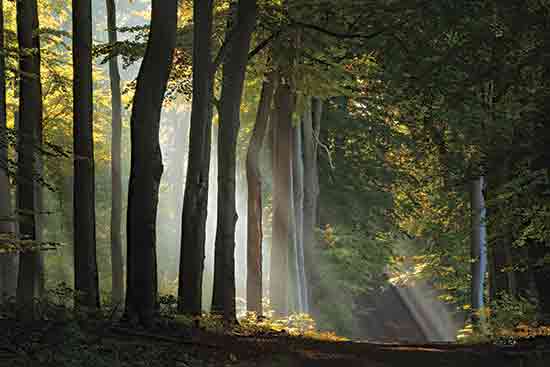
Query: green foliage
x=508 y=312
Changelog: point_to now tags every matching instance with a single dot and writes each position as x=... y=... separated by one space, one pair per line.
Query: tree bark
x=281 y=232
x=8 y=270
x=298 y=189
x=146 y=164
x=85 y=262
x=30 y=122
x=478 y=246
x=195 y=202
x=311 y=198
x=117 y=267
x=254 y=227
x=234 y=70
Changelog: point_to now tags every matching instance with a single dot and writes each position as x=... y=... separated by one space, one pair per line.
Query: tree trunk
x=146 y=164
x=85 y=262
x=298 y=188
x=234 y=70
x=478 y=246
x=117 y=267
x=195 y=202
x=281 y=232
x=254 y=227
x=30 y=122
x=8 y=270
x=311 y=197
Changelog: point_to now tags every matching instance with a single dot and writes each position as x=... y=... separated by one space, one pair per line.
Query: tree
x=234 y=69
x=254 y=184
x=478 y=249
x=85 y=262
x=282 y=231
x=311 y=127
x=30 y=122
x=298 y=177
x=117 y=267
x=195 y=203
x=146 y=164
x=8 y=270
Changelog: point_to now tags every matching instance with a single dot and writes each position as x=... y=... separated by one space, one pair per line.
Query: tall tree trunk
x=234 y=70
x=8 y=270
x=281 y=232
x=298 y=188
x=30 y=122
x=254 y=227
x=85 y=262
x=195 y=202
x=146 y=164
x=311 y=198
x=478 y=246
x=117 y=267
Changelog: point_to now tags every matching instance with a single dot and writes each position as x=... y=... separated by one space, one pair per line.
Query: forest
x=274 y=182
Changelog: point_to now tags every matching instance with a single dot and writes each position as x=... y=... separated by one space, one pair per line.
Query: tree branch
x=263 y=44
x=341 y=35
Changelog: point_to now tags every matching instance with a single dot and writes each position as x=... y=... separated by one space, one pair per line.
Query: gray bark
x=195 y=202
x=234 y=70
x=146 y=165
x=117 y=267
x=311 y=197
x=282 y=231
x=30 y=122
x=478 y=245
x=298 y=188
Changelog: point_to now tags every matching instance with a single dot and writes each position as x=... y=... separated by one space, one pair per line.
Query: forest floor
x=56 y=343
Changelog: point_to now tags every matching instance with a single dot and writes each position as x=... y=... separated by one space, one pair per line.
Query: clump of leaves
x=297 y=324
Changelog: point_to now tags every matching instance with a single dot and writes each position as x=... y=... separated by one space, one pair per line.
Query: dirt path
x=60 y=345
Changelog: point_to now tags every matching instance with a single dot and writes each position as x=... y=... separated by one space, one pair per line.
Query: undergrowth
x=507 y=320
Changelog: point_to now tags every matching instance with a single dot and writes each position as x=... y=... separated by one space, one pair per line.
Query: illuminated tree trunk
x=117 y=267
x=195 y=203
x=299 y=188
x=234 y=70
x=30 y=122
x=146 y=164
x=8 y=269
x=254 y=227
x=281 y=231
x=311 y=128
x=478 y=246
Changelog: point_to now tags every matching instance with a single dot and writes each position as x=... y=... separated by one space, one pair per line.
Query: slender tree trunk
x=30 y=122
x=234 y=70
x=195 y=202
x=85 y=262
x=8 y=269
x=254 y=227
x=146 y=164
x=311 y=197
x=478 y=246
x=298 y=188
x=117 y=267
x=281 y=232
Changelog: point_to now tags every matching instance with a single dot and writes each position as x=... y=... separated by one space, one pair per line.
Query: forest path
x=295 y=352
x=282 y=350
x=67 y=344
